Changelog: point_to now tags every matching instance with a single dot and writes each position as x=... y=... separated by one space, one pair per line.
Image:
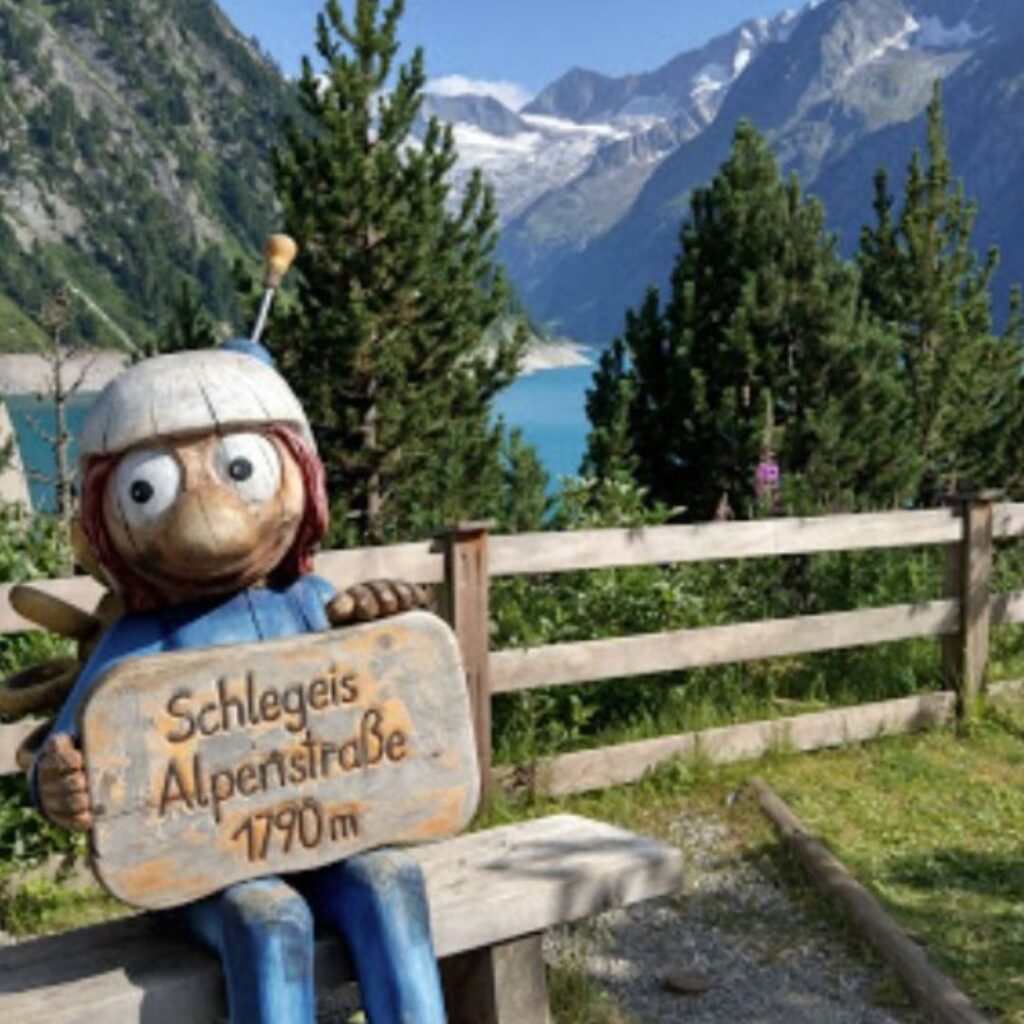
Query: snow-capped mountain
x=523 y=156
x=840 y=91
x=690 y=86
x=586 y=122
x=593 y=174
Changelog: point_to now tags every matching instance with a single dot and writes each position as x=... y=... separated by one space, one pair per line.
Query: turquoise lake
x=33 y=419
x=548 y=407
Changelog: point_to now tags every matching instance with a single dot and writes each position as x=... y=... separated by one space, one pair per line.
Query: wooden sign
x=208 y=767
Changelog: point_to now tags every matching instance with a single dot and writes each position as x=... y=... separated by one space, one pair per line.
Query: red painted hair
x=140 y=595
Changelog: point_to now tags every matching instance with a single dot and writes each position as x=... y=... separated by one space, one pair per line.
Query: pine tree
x=993 y=451
x=526 y=505
x=188 y=326
x=921 y=275
x=385 y=343
x=654 y=367
x=763 y=339
x=609 y=404
x=879 y=255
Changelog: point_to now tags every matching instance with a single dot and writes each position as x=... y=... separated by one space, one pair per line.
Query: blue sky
x=525 y=42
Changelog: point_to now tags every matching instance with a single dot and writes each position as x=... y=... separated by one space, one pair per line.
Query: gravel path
x=741 y=931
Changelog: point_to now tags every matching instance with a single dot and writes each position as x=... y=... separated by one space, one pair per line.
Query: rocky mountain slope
x=134 y=155
x=595 y=173
x=569 y=165
x=841 y=94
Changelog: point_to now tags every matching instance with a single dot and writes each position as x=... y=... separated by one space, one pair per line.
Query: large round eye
x=249 y=464
x=147 y=483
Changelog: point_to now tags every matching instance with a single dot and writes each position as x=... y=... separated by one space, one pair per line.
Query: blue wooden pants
x=263 y=931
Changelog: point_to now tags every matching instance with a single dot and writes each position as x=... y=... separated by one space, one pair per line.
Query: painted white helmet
x=200 y=391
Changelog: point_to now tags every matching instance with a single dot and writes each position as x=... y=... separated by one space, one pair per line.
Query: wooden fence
x=464 y=559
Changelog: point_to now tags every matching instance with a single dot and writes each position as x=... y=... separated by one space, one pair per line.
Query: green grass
x=43 y=906
x=934 y=826
x=575 y=999
x=18 y=333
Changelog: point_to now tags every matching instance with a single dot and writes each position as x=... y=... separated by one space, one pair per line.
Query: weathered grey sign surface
x=212 y=766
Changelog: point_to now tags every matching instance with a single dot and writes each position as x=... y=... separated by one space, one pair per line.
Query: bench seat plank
x=485 y=888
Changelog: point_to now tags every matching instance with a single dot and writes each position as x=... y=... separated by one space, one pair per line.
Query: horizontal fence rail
x=464 y=560
x=585 y=770
x=590 y=660
x=1008 y=609
x=534 y=553
x=541 y=553
x=1008 y=520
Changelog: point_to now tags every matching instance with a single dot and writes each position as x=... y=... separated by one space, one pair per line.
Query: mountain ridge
x=589 y=143
x=843 y=94
x=686 y=82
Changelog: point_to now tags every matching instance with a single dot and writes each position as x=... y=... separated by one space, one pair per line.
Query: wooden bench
x=492 y=895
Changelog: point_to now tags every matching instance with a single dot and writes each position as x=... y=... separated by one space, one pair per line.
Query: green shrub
x=31 y=547
x=534 y=611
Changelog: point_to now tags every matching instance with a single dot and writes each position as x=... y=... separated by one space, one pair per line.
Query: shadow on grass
x=967 y=908
x=964 y=871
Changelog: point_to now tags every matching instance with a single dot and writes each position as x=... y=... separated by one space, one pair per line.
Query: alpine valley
x=135 y=138
x=839 y=87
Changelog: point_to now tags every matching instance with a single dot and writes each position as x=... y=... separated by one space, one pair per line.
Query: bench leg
x=502 y=984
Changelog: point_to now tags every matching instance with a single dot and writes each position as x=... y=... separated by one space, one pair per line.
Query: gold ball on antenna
x=280 y=253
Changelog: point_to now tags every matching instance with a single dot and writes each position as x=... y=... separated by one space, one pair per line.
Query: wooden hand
x=42 y=688
x=375 y=600
x=63 y=788
x=54 y=613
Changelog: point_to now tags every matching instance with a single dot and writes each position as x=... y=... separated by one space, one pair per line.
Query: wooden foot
x=502 y=984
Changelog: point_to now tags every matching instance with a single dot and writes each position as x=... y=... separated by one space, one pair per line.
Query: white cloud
x=935 y=35
x=511 y=95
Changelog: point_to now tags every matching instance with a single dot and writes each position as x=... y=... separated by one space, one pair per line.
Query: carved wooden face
x=205 y=515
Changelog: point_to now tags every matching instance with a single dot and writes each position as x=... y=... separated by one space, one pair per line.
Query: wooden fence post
x=467 y=608
x=969 y=580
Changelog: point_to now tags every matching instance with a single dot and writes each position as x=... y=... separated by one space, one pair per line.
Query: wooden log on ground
x=932 y=990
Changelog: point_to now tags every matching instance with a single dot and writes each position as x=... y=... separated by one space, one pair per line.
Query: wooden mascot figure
x=202 y=499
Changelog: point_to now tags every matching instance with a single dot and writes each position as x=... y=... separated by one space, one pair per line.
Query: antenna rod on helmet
x=280 y=252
